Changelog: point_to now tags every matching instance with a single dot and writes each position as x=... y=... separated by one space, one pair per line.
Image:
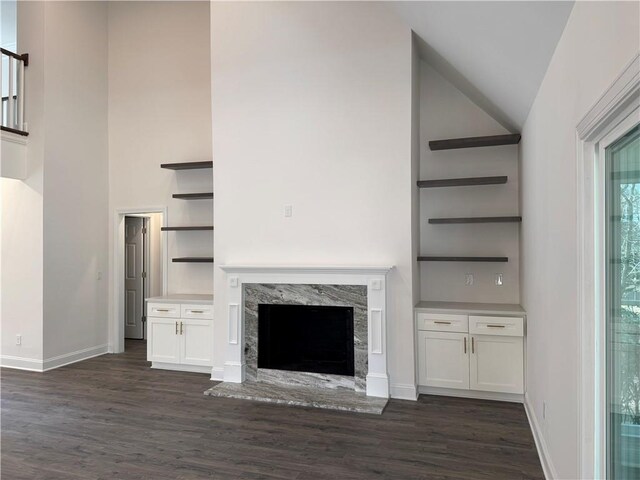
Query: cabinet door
x=497 y=364
x=196 y=342
x=443 y=359
x=163 y=343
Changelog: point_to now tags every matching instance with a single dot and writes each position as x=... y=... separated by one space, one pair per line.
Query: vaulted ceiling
x=496 y=53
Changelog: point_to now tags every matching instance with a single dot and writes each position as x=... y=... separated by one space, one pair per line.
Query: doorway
x=140 y=272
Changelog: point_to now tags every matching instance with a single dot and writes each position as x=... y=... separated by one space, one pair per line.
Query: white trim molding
x=217 y=374
x=74 y=357
x=21 y=363
x=404 y=391
x=35 y=365
x=460 y=393
x=616 y=112
x=374 y=277
x=541 y=445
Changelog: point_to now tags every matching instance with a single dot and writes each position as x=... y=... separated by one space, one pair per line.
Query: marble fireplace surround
x=363 y=288
x=304 y=294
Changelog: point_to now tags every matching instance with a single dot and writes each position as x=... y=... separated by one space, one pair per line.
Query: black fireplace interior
x=306 y=338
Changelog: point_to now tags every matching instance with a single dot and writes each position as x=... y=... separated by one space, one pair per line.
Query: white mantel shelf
x=309 y=269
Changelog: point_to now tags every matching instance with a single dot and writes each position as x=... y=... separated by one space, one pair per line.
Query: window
x=622 y=329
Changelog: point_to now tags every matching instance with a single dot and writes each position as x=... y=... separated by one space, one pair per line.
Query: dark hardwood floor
x=112 y=417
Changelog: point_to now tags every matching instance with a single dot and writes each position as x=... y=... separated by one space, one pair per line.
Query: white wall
x=448 y=113
x=599 y=40
x=160 y=112
x=21 y=294
x=75 y=181
x=54 y=223
x=312 y=108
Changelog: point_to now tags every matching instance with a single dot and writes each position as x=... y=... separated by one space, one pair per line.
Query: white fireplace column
x=374 y=277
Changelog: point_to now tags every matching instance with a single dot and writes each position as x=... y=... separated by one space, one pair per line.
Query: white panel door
x=443 y=359
x=196 y=342
x=163 y=342
x=497 y=364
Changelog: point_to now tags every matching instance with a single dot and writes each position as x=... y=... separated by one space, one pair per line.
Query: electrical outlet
x=499 y=280
x=288 y=211
x=18 y=339
x=468 y=279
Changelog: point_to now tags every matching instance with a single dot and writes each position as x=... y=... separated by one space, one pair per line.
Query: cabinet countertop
x=183 y=298
x=471 y=308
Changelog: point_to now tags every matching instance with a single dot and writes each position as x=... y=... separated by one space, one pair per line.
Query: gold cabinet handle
x=196 y=311
x=472 y=346
x=495 y=326
x=162 y=309
x=465 y=344
x=442 y=322
x=176 y=328
x=180 y=328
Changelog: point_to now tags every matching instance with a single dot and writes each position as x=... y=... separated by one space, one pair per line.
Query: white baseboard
x=541 y=445
x=217 y=374
x=453 y=392
x=177 y=367
x=21 y=363
x=404 y=391
x=73 y=357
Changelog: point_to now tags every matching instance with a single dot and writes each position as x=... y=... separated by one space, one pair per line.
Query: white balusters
x=11 y=101
x=12 y=81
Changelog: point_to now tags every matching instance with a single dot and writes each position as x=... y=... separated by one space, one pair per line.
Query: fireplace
x=306 y=338
x=307 y=304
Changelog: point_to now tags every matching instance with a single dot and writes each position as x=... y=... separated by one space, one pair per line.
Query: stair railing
x=12 y=80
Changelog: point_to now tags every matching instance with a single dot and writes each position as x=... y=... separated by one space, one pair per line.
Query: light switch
x=499 y=279
x=233 y=282
x=288 y=211
x=468 y=279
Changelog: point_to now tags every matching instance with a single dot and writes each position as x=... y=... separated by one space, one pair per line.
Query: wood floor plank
x=114 y=417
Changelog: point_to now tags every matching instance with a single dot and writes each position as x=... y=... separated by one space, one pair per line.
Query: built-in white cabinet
x=180 y=336
x=443 y=359
x=496 y=364
x=482 y=353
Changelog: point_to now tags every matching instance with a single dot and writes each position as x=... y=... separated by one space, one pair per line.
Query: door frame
x=116 y=323
x=613 y=114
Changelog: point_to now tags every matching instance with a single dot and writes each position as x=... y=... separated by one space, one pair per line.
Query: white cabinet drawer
x=443 y=322
x=501 y=326
x=165 y=310
x=197 y=311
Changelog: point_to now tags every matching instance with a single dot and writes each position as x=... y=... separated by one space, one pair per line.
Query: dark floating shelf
x=462 y=259
x=471 y=142
x=187 y=165
x=193 y=196
x=181 y=229
x=462 y=182
x=193 y=260
x=475 y=220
